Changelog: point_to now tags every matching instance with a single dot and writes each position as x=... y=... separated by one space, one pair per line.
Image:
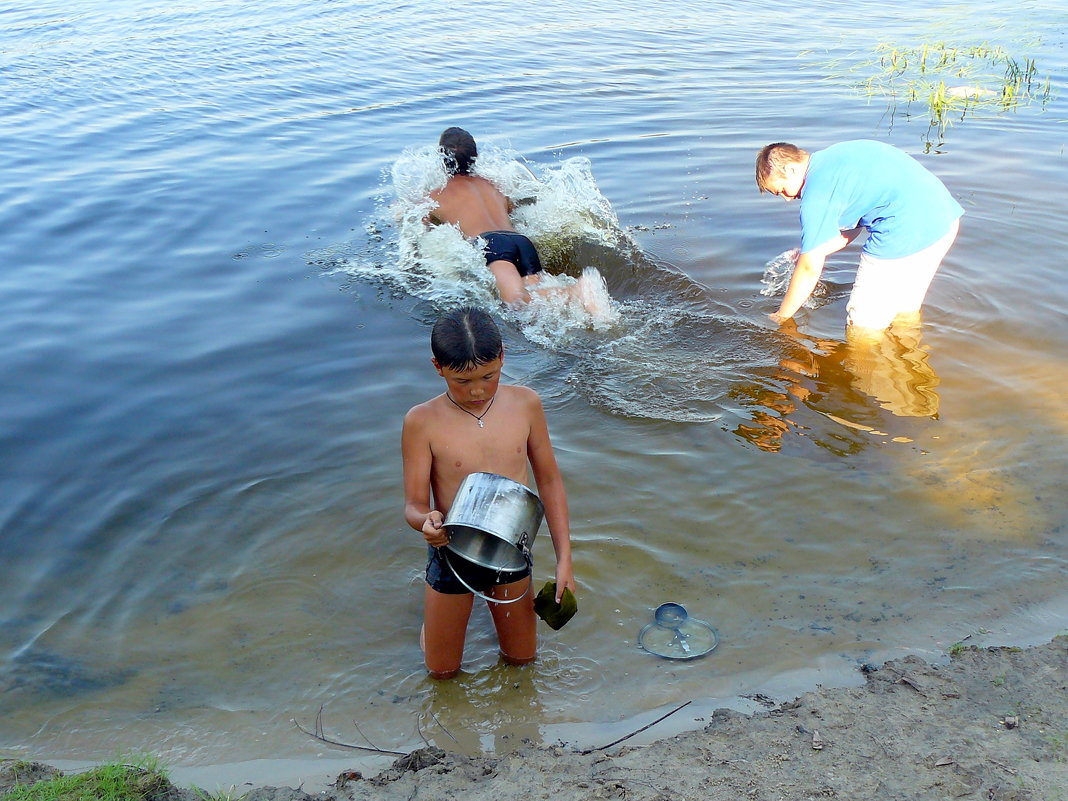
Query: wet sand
x=990 y=724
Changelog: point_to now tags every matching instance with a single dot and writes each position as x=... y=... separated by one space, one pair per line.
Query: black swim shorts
x=442 y=579
x=514 y=247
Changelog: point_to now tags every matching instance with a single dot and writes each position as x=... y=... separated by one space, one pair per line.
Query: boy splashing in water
x=481 y=211
x=477 y=425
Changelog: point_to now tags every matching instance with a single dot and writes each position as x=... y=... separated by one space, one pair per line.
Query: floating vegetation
x=950 y=81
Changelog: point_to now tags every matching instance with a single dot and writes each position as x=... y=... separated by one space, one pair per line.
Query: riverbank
x=990 y=724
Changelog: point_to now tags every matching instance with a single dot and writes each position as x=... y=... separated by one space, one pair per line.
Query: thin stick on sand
x=318 y=735
x=637 y=731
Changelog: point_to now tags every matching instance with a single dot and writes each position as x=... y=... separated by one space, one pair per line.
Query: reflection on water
x=489 y=705
x=954 y=64
x=848 y=383
x=35 y=673
x=894 y=369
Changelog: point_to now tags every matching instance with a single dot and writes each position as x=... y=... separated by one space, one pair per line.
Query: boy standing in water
x=481 y=211
x=477 y=425
x=851 y=187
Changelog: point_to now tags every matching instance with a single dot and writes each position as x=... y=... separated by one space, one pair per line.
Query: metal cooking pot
x=493 y=521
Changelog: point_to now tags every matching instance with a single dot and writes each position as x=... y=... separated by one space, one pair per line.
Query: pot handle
x=526 y=555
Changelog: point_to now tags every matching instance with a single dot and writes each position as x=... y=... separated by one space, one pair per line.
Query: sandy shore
x=991 y=724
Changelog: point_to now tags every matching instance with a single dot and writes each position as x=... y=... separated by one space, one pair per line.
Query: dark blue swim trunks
x=514 y=247
x=440 y=578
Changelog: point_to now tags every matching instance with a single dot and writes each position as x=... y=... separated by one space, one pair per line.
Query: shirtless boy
x=858 y=187
x=477 y=425
x=480 y=210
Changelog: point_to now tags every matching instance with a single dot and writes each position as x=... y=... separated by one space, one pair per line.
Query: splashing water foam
x=777 y=273
x=436 y=262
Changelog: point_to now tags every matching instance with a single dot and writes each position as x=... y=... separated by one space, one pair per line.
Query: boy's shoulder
x=422 y=418
x=519 y=395
x=424 y=410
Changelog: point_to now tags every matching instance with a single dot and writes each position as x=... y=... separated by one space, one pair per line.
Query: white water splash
x=582 y=303
x=437 y=263
x=777 y=273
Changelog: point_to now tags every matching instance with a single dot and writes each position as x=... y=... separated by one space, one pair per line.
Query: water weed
x=953 y=81
x=948 y=81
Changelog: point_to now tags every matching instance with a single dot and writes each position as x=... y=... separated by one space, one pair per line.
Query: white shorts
x=885 y=288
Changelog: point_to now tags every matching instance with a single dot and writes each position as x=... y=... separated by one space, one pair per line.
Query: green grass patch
x=143 y=781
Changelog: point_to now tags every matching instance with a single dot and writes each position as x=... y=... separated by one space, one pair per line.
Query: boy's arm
x=418 y=458
x=553 y=496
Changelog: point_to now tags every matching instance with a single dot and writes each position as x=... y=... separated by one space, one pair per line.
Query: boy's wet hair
x=458 y=150
x=773 y=159
x=465 y=338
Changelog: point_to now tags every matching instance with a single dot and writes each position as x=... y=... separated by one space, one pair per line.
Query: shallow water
x=211 y=331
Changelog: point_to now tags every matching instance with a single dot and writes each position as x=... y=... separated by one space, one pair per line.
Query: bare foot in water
x=589 y=292
x=592 y=293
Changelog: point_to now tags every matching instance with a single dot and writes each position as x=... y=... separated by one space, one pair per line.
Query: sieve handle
x=448 y=564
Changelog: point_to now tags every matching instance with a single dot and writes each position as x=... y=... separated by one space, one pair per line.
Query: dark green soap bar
x=553 y=613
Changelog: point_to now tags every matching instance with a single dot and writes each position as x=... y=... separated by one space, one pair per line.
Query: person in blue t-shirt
x=850 y=188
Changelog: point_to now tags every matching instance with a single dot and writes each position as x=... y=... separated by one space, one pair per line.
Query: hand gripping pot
x=492 y=522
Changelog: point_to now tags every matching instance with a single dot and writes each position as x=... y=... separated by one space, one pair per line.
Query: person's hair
x=773 y=159
x=458 y=150
x=465 y=338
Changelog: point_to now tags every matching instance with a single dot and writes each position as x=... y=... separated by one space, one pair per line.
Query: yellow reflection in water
x=893 y=368
x=976 y=501
x=865 y=390
x=849 y=383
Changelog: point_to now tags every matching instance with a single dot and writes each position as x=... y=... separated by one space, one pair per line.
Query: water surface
x=212 y=328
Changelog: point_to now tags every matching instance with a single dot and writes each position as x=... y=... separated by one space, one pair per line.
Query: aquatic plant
x=951 y=81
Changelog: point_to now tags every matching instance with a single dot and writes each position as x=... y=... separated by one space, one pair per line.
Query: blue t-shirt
x=904 y=207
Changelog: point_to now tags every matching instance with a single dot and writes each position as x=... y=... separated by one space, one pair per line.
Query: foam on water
x=777 y=273
x=438 y=264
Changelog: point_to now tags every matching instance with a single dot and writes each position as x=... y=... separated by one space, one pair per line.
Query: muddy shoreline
x=990 y=724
